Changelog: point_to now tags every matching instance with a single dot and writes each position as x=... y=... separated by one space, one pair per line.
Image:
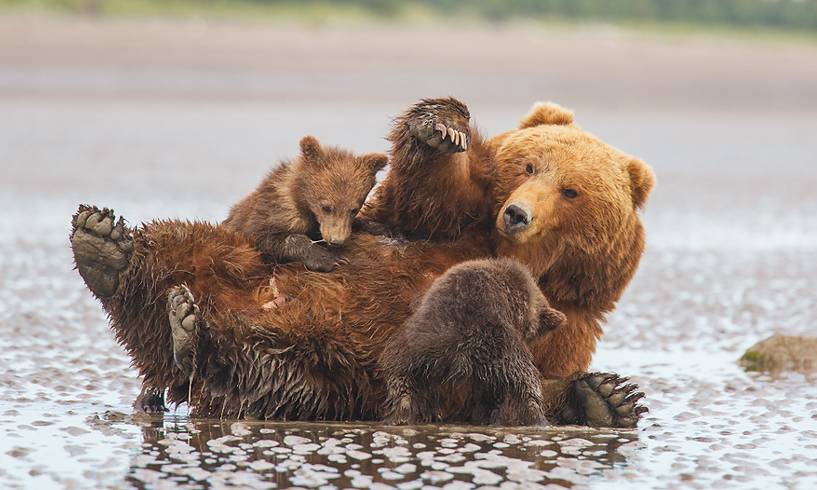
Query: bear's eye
x=569 y=193
x=326 y=208
x=353 y=211
x=529 y=169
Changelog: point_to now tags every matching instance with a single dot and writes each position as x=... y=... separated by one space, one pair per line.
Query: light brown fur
x=315 y=197
x=584 y=250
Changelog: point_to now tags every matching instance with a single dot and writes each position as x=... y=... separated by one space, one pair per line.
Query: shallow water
x=732 y=253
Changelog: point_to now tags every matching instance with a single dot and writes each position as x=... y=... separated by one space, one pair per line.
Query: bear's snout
x=516 y=218
x=335 y=234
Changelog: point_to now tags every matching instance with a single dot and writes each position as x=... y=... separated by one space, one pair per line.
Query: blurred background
x=177 y=108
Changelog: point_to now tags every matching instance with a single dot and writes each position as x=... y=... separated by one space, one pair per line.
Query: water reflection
x=179 y=451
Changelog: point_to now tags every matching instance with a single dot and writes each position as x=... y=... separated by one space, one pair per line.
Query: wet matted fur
x=314 y=357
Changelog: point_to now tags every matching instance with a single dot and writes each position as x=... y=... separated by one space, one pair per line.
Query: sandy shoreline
x=585 y=67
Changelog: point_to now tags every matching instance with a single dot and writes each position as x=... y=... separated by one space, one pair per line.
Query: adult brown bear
x=549 y=194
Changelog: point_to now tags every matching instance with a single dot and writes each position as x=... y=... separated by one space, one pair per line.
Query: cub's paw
x=361 y=225
x=184 y=316
x=529 y=412
x=320 y=259
x=401 y=411
x=441 y=124
x=601 y=400
x=102 y=247
x=150 y=400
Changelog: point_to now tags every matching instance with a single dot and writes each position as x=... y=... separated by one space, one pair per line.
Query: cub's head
x=530 y=311
x=333 y=184
x=566 y=198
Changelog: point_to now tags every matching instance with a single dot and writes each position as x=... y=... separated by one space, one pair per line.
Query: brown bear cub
x=314 y=198
x=463 y=355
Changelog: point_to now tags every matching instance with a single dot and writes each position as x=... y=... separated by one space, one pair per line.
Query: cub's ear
x=550 y=319
x=374 y=161
x=642 y=181
x=546 y=113
x=311 y=149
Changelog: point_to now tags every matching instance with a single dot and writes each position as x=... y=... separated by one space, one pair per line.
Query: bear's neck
x=582 y=283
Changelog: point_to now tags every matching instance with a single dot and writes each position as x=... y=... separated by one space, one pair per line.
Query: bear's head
x=567 y=206
x=333 y=184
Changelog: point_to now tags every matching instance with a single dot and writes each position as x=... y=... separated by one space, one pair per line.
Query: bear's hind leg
x=102 y=248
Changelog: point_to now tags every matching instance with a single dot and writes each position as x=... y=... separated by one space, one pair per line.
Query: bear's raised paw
x=441 y=124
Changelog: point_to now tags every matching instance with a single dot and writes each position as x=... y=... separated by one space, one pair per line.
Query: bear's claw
x=150 y=400
x=184 y=316
x=444 y=139
x=603 y=400
x=102 y=247
x=441 y=124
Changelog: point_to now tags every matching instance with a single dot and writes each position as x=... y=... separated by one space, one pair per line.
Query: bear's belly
x=370 y=294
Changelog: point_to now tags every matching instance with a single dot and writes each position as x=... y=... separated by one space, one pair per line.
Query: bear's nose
x=516 y=218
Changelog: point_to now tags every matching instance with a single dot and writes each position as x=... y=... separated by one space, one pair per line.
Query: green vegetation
x=753 y=361
x=799 y=15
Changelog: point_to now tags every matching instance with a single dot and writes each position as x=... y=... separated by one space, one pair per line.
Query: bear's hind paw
x=102 y=247
x=184 y=316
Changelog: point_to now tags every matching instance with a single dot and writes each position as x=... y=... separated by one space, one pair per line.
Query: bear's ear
x=642 y=181
x=550 y=319
x=546 y=113
x=311 y=149
x=374 y=162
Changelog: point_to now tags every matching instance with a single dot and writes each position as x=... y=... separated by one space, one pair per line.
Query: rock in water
x=782 y=353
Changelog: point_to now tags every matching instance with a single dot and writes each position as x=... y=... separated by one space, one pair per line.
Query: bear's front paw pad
x=607 y=402
x=184 y=316
x=102 y=247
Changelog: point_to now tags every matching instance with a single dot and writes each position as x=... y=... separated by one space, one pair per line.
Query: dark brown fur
x=315 y=197
x=429 y=193
x=315 y=357
x=467 y=342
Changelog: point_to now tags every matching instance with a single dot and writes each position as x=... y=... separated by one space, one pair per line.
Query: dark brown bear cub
x=311 y=199
x=462 y=356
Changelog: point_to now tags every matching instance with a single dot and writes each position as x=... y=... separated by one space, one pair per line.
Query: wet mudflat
x=731 y=259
